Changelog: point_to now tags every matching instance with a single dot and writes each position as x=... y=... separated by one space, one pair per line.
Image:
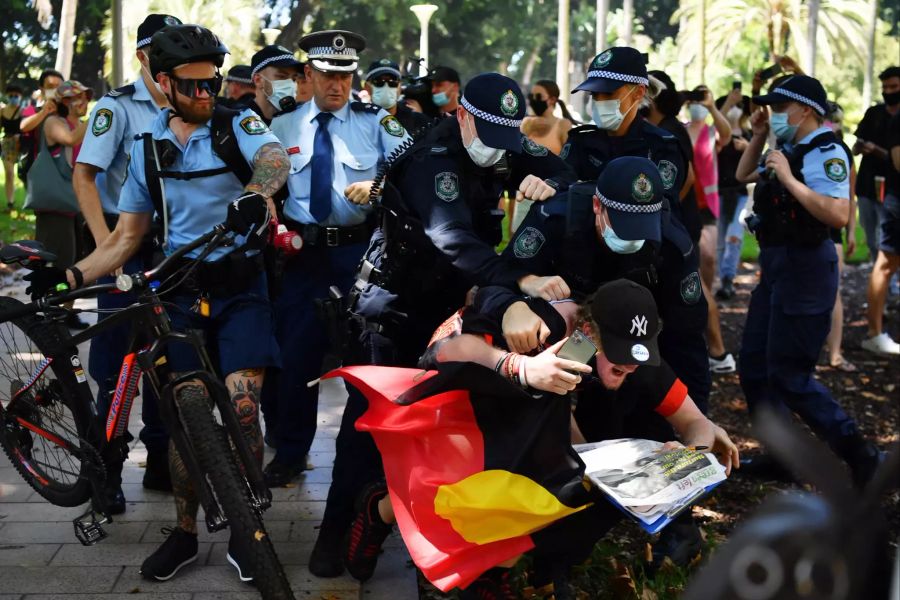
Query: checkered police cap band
x=327 y=51
x=629 y=208
x=244 y=80
x=800 y=98
x=262 y=64
x=618 y=77
x=144 y=42
x=486 y=116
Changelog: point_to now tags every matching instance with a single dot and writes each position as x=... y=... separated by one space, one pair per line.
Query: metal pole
x=118 y=60
x=562 y=49
x=702 y=41
x=628 y=13
x=812 y=28
x=602 y=17
x=423 y=12
x=869 y=73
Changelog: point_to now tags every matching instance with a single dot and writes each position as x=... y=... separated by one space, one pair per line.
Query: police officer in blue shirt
x=274 y=71
x=97 y=178
x=192 y=189
x=334 y=146
x=802 y=190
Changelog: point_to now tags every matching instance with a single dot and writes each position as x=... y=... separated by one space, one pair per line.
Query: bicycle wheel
x=43 y=431
x=215 y=456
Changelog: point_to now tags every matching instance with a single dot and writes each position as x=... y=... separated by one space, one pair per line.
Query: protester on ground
x=10 y=118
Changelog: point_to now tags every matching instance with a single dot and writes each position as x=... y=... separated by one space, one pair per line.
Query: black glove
x=248 y=211
x=44 y=280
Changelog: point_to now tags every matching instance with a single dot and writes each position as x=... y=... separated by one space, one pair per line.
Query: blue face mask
x=14 y=100
x=784 y=131
x=698 y=112
x=618 y=245
x=440 y=99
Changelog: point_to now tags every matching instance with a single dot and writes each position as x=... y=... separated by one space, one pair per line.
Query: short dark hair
x=14 y=87
x=49 y=73
x=669 y=100
x=889 y=72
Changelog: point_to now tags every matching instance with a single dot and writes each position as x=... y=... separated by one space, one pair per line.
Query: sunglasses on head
x=382 y=82
x=189 y=87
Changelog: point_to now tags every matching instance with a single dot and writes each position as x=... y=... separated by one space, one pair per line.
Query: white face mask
x=482 y=155
x=150 y=76
x=607 y=115
x=734 y=114
x=618 y=245
x=281 y=88
x=385 y=96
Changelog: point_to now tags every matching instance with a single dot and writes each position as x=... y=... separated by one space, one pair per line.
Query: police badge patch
x=102 y=121
x=668 y=172
x=602 y=59
x=690 y=288
x=393 y=126
x=509 y=104
x=565 y=151
x=533 y=148
x=446 y=186
x=836 y=169
x=528 y=243
x=642 y=189
x=253 y=125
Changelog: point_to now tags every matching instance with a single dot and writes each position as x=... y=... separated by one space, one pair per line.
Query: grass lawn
x=16 y=224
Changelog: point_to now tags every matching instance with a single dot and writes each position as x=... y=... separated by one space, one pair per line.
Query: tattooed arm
x=270 y=170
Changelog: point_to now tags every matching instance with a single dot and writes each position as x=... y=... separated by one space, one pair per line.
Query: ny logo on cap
x=639 y=323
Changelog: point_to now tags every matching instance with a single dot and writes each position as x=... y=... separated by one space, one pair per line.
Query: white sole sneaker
x=881 y=344
x=237 y=567
x=175 y=571
x=726 y=365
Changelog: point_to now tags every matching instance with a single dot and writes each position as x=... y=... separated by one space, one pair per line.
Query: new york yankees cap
x=628 y=320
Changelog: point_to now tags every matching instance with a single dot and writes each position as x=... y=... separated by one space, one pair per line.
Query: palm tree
x=783 y=24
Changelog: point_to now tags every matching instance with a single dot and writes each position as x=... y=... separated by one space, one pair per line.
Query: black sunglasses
x=382 y=82
x=189 y=87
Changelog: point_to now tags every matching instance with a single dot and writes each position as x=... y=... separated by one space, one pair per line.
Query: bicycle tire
x=216 y=458
x=50 y=403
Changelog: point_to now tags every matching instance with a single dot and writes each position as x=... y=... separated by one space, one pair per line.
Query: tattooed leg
x=244 y=387
x=186 y=503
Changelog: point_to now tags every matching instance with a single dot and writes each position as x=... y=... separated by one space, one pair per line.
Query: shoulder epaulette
x=584 y=129
x=658 y=131
x=125 y=90
x=438 y=150
x=288 y=111
x=365 y=107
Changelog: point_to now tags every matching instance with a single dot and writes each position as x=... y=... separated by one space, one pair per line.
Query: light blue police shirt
x=361 y=136
x=114 y=123
x=825 y=169
x=197 y=205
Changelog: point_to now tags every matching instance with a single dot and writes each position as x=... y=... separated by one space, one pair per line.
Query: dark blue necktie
x=321 y=173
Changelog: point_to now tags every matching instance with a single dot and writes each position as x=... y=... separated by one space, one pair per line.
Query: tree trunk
x=812 y=29
x=292 y=32
x=602 y=20
x=562 y=49
x=703 y=42
x=66 y=37
x=531 y=63
x=870 y=60
x=628 y=13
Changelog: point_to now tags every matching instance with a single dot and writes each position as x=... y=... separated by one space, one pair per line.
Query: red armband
x=673 y=400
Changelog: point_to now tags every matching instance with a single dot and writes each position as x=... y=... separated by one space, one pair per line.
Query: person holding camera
x=445 y=85
x=802 y=191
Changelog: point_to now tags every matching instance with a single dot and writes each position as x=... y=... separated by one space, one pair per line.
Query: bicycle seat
x=28 y=253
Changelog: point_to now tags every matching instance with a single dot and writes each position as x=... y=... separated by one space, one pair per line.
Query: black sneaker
x=726 y=292
x=179 y=549
x=367 y=533
x=680 y=541
x=325 y=560
x=156 y=473
x=115 y=501
x=237 y=558
x=493 y=584
x=279 y=474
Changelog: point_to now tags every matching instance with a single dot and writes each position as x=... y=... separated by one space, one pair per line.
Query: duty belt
x=330 y=237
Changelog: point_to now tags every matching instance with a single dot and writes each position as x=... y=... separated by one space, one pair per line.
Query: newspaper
x=648 y=484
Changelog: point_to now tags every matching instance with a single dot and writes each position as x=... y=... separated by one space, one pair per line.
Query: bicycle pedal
x=88 y=528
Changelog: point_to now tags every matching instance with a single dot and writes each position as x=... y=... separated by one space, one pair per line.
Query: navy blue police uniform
x=437 y=229
x=328 y=150
x=790 y=310
x=239 y=74
x=412 y=121
x=115 y=121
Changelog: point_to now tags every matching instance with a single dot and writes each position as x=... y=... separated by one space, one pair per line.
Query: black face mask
x=891 y=99
x=537 y=104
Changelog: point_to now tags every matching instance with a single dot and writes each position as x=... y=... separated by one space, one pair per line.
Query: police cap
x=384 y=66
x=628 y=320
x=240 y=74
x=334 y=50
x=273 y=56
x=498 y=106
x=444 y=74
x=631 y=189
x=613 y=68
x=151 y=25
x=797 y=88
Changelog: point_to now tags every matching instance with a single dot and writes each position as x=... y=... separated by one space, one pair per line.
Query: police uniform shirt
x=825 y=170
x=361 y=136
x=114 y=123
x=195 y=206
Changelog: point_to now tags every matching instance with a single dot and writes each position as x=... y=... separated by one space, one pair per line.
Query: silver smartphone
x=578 y=347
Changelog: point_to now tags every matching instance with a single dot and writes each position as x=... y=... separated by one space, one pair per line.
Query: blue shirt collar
x=341 y=114
x=809 y=137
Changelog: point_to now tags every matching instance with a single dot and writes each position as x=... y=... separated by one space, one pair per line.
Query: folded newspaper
x=650 y=485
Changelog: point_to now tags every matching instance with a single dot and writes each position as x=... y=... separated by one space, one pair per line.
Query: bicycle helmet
x=181 y=44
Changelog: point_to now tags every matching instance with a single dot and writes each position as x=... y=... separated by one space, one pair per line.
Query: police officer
x=435 y=240
x=274 y=71
x=239 y=88
x=227 y=297
x=383 y=85
x=445 y=86
x=97 y=178
x=334 y=147
x=802 y=190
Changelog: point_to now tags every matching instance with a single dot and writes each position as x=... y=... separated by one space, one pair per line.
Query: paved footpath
x=40 y=559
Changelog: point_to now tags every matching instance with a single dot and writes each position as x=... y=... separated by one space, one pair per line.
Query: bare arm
x=270 y=171
x=688 y=183
x=694 y=429
x=834 y=212
x=33 y=121
x=117 y=248
x=895 y=157
x=84 y=180
x=58 y=132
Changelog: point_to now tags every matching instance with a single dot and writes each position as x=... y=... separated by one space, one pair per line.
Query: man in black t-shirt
x=871 y=142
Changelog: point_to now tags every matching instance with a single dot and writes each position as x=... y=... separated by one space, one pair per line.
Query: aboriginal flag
x=474 y=465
